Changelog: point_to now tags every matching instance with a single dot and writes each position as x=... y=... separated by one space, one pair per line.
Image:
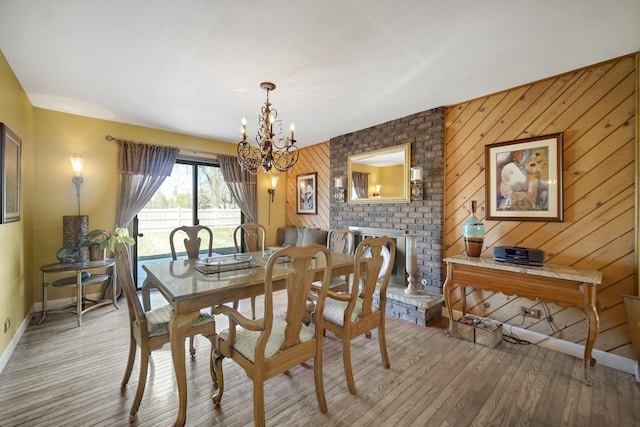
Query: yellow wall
x=16 y=292
x=48 y=193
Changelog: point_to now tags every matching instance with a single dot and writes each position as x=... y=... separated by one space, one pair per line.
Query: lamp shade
x=76 y=164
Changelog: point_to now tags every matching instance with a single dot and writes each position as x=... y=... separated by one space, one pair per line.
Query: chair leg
x=258 y=402
x=346 y=360
x=212 y=369
x=217 y=366
x=317 y=369
x=142 y=382
x=133 y=346
x=253 y=308
x=192 y=349
x=382 y=341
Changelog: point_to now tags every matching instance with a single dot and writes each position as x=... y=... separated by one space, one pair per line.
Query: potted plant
x=100 y=239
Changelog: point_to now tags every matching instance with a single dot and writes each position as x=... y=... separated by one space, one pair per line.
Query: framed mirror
x=380 y=176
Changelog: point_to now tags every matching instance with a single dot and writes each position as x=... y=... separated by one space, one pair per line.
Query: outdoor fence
x=170 y=218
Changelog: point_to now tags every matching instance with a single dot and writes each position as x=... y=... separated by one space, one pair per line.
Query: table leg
x=114 y=284
x=178 y=327
x=79 y=296
x=447 y=289
x=44 y=297
x=593 y=321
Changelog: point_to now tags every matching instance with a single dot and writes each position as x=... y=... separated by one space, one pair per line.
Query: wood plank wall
x=312 y=159
x=596 y=110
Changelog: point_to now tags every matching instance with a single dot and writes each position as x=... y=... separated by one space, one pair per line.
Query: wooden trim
x=637 y=173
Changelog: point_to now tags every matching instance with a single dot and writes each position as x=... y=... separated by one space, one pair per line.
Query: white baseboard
x=614 y=361
x=36 y=308
x=6 y=354
x=603 y=358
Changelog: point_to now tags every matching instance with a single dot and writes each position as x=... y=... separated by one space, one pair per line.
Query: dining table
x=192 y=285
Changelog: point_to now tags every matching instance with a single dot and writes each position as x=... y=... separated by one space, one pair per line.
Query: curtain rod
x=188 y=150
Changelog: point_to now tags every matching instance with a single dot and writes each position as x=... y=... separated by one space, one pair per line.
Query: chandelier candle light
x=275 y=153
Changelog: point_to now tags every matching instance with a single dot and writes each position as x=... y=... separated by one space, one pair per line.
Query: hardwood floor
x=63 y=375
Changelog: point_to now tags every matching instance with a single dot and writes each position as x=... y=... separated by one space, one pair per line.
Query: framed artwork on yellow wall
x=307 y=190
x=10 y=146
x=524 y=179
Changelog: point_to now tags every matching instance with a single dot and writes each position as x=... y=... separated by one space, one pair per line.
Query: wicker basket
x=465 y=327
x=488 y=333
x=485 y=332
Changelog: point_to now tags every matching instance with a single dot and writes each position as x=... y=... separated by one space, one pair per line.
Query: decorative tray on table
x=224 y=263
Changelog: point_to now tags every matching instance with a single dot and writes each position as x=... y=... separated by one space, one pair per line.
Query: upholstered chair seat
x=158 y=320
x=246 y=340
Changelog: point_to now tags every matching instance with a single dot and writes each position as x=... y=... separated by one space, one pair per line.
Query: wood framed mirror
x=380 y=176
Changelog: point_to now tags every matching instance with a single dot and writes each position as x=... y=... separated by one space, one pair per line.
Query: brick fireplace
x=425 y=132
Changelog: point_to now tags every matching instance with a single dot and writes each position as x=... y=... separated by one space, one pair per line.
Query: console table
x=76 y=280
x=563 y=285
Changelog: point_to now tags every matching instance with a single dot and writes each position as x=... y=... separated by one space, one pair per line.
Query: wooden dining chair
x=192 y=243
x=348 y=315
x=249 y=237
x=340 y=241
x=275 y=343
x=149 y=330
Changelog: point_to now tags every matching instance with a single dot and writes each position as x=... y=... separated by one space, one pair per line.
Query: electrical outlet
x=7 y=324
x=530 y=312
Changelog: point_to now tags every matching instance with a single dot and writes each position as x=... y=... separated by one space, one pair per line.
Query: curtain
x=361 y=184
x=242 y=185
x=143 y=168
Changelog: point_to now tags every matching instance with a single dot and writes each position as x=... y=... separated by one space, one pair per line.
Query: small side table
x=82 y=304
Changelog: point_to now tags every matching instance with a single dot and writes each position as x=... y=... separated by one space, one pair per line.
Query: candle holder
x=338 y=192
x=416 y=190
x=416 y=183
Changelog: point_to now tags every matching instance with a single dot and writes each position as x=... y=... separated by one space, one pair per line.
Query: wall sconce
x=416 y=183
x=272 y=190
x=338 y=193
x=76 y=164
x=377 y=193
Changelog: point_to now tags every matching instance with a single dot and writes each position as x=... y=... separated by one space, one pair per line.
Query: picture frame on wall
x=523 y=179
x=10 y=149
x=307 y=191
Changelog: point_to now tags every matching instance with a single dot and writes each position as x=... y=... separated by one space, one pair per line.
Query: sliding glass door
x=194 y=194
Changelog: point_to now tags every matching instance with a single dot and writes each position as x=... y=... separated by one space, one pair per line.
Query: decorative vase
x=95 y=253
x=74 y=228
x=473 y=230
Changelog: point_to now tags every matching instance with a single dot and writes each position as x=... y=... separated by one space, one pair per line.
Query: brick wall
x=425 y=132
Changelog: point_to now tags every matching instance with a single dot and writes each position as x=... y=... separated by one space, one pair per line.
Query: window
x=194 y=194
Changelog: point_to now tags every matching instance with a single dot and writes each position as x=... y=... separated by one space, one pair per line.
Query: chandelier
x=274 y=153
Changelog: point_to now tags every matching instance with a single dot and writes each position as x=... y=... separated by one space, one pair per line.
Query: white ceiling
x=195 y=66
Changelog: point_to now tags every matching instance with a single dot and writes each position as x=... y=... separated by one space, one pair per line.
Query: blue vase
x=473 y=231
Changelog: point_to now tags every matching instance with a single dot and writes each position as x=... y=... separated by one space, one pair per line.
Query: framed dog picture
x=524 y=179
x=307 y=200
